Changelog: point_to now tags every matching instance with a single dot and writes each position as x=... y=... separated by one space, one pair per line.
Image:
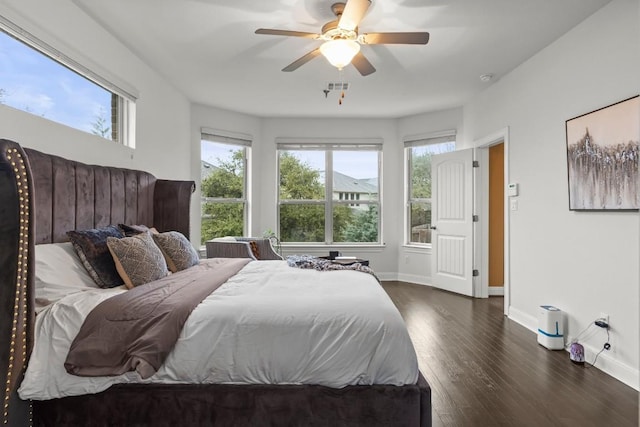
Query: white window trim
x=331 y=144
x=240 y=140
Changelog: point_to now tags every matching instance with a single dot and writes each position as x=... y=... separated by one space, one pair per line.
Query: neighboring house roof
x=206 y=169
x=345 y=184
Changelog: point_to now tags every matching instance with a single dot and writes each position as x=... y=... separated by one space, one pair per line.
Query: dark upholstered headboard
x=41 y=198
x=74 y=196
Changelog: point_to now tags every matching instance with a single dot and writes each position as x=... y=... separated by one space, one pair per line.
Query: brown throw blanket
x=137 y=329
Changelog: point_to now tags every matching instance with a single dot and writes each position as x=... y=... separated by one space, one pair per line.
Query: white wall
x=162 y=126
x=414 y=263
x=582 y=262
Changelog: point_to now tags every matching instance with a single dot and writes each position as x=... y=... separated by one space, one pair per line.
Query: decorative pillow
x=138 y=260
x=58 y=273
x=177 y=250
x=91 y=247
x=254 y=248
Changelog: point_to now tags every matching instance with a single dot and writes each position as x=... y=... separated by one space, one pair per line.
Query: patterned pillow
x=177 y=250
x=91 y=247
x=254 y=248
x=138 y=260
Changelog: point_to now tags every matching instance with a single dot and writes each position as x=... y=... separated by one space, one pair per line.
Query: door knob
x=433 y=227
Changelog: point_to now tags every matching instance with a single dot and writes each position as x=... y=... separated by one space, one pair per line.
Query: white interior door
x=452 y=221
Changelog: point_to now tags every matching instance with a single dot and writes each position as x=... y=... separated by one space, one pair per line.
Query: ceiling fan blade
x=362 y=64
x=395 y=38
x=353 y=13
x=287 y=33
x=302 y=60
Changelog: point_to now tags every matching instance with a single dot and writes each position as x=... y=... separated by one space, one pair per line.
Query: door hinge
x=476 y=273
x=475 y=218
x=476 y=164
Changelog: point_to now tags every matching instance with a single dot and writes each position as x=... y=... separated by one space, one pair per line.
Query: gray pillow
x=91 y=247
x=138 y=260
x=177 y=250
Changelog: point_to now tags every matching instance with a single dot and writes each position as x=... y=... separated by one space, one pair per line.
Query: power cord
x=606 y=345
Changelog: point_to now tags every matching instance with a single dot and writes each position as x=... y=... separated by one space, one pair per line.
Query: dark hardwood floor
x=486 y=370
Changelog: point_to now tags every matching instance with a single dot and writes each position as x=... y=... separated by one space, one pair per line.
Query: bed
x=43 y=197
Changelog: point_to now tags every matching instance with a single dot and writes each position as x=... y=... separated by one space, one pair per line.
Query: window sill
x=418 y=249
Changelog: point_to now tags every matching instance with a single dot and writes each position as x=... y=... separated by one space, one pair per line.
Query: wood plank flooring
x=486 y=370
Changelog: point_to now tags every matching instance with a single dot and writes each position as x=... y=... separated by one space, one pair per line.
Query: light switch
x=514 y=204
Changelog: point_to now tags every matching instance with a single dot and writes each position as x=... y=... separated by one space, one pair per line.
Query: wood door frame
x=481 y=247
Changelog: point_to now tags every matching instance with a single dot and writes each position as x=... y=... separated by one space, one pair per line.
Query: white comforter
x=269 y=324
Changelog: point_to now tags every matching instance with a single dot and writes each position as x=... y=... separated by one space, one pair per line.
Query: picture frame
x=603 y=149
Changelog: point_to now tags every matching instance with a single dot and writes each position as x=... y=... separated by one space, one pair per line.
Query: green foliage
x=298 y=181
x=302 y=223
x=421 y=175
x=222 y=219
x=363 y=227
x=227 y=180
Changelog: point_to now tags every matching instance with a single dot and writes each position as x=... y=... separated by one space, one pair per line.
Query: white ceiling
x=208 y=50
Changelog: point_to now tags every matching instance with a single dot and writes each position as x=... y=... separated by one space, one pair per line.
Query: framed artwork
x=602 y=158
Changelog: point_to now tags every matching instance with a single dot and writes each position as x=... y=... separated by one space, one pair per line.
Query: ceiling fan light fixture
x=340 y=52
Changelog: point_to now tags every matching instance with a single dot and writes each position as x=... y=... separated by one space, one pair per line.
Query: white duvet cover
x=269 y=324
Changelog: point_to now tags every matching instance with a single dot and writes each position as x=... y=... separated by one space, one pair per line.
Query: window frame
x=448 y=136
x=374 y=145
x=126 y=97
x=244 y=141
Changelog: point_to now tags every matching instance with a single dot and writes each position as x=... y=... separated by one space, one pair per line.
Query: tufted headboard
x=41 y=198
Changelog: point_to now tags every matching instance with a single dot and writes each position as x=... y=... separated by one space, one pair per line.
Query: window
x=418 y=154
x=38 y=79
x=318 y=185
x=224 y=186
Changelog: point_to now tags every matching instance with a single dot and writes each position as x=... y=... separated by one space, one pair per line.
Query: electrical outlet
x=605 y=317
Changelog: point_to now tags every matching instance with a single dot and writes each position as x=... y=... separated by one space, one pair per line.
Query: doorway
x=492 y=235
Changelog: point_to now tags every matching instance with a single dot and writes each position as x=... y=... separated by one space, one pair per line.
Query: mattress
x=268 y=324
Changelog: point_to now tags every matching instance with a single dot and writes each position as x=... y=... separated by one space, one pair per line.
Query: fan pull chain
x=342 y=86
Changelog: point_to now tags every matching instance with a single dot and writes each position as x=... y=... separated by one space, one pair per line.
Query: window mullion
x=328 y=196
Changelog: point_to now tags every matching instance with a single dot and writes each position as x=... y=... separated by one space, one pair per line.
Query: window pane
x=355 y=224
x=421 y=168
x=222 y=170
x=420 y=220
x=222 y=219
x=31 y=81
x=302 y=175
x=302 y=223
x=355 y=175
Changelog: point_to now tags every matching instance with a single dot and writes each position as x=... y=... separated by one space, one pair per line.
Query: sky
x=35 y=83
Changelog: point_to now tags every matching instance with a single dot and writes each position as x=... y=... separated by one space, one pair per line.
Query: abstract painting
x=602 y=158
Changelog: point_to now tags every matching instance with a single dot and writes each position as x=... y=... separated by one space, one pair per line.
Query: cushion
x=138 y=260
x=177 y=250
x=254 y=248
x=91 y=247
x=58 y=273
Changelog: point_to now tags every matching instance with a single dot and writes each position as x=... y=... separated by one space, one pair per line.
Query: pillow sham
x=138 y=260
x=177 y=250
x=91 y=247
x=58 y=273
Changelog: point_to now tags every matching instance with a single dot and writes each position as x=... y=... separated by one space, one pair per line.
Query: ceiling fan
x=341 y=39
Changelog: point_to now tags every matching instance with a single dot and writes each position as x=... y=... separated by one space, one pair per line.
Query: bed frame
x=41 y=197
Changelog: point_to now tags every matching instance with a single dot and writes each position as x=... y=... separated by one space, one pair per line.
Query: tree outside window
x=419 y=188
x=316 y=190
x=223 y=190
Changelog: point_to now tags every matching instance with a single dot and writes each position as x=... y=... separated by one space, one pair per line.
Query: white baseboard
x=606 y=363
x=413 y=278
x=496 y=291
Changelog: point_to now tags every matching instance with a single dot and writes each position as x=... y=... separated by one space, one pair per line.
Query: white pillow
x=59 y=272
x=225 y=239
